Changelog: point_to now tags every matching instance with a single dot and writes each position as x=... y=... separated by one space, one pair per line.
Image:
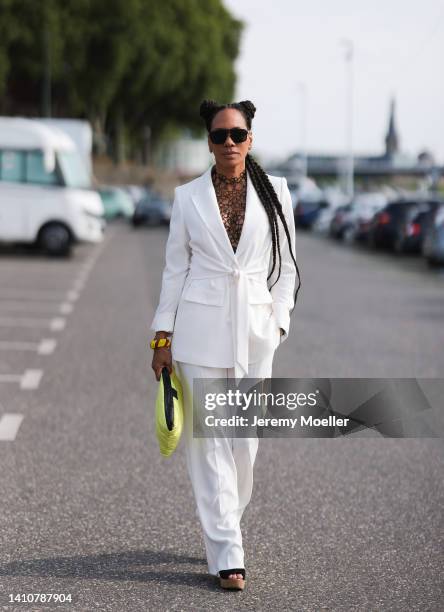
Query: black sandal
x=232 y=583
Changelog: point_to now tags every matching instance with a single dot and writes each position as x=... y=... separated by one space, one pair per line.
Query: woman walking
x=231 y=230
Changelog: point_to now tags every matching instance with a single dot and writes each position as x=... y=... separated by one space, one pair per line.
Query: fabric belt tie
x=209 y=267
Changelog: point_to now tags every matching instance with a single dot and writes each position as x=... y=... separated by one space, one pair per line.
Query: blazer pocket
x=205 y=291
x=258 y=293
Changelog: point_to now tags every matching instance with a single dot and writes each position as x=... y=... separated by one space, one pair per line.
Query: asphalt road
x=89 y=507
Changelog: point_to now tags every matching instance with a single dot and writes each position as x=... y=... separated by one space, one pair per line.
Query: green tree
x=182 y=52
x=123 y=64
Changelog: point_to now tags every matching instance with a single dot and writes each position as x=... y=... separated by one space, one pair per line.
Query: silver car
x=433 y=244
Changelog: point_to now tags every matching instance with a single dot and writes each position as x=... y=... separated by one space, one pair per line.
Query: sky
x=292 y=46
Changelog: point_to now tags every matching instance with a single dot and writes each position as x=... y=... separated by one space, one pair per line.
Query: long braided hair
x=261 y=182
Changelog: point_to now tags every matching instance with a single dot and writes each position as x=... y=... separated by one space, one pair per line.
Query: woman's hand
x=162 y=357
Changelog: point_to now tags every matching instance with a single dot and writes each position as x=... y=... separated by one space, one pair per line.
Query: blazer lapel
x=206 y=203
x=248 y=233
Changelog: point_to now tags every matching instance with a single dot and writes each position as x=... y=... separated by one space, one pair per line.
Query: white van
x=45 y=190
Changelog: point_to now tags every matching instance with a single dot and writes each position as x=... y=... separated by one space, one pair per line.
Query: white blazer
x=214 y=300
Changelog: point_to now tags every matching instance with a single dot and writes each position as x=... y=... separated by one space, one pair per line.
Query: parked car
x=152 y=210
x=433 y=243
x=334 y=198
x=340 y=221
x=358 y=222
x=116 y=202
x=137 y=192
x=321 y=225
x=46 y=196
x=391 y=226
x=307 y=210
x=414 y=232
x=294 y=197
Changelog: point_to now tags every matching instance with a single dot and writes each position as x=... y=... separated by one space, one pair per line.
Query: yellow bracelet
x=160 y=342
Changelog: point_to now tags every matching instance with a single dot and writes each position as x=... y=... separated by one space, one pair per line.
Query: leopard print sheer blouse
x=231 y=196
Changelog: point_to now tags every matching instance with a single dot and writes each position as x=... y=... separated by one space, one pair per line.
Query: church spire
x=391 y=139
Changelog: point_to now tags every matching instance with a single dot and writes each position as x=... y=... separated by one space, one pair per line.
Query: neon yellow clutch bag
x=169 y=412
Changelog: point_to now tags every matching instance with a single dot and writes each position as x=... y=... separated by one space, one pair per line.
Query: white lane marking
x=86 y=269
x=41 y=264
x=31 y=307
x=54 y=323
x=31 y=379
x=9 y=426
x=46 y=346
x=10 y=378
x=6 y=345
x=72 y=296
x=57 y=324
x=22 y=322
x=32 y=294
x=66 y=308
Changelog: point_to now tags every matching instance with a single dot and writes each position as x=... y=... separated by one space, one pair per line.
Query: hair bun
x=207 y=108
x=249 y=107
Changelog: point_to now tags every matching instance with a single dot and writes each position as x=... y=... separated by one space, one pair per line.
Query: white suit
x=225 y=323
x=215 y=300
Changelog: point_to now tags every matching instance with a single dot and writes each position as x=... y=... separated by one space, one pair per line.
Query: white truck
x=46 y=195
x=80 y=132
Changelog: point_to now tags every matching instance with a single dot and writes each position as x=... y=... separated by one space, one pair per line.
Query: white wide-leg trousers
x=220 y=470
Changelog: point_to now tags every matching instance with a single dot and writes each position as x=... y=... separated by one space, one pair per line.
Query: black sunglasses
x=220 y=135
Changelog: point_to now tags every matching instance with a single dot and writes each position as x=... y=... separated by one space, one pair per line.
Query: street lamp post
x=303 y=112
x=46 y=81
x=349 y=119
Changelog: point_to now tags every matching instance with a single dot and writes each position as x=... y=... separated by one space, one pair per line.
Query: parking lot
x=38 y=295
x=358 y=314
x=89 y=506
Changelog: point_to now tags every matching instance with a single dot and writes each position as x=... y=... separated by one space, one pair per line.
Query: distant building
x=188 y=156
x=391 y=163
x=391 y=139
